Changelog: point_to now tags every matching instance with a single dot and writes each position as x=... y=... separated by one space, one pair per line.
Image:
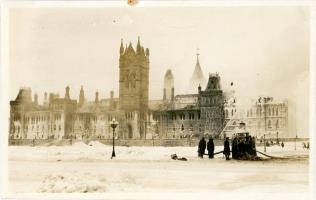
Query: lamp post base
x=113 y=154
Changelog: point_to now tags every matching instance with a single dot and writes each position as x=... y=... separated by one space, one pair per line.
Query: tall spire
x=138 y=47
x=197 y=76
x=122 y=47
x=130 y=48
x=81 y=97
x=197 y=57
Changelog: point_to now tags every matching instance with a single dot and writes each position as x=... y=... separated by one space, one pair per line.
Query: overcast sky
x=263 y=50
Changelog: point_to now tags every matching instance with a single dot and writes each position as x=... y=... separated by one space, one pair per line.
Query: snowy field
x=89 y=169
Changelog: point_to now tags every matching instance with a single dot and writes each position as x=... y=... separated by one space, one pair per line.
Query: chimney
x=96 y=97
x=67 y=96
x=81 y=97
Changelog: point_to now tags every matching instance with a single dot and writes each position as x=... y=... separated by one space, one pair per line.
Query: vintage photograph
x=204 y=99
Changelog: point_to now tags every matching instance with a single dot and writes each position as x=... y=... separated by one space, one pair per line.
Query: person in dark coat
x=210 y=148
x=253 y=146
x=247 y=146
x=241 y=148
x=226 y=149
x=202 y=147
x=234 y=148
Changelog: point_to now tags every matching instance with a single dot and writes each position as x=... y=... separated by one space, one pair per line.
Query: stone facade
x=264 y=117
x=29 y=120
x=193 y=115
x=204 y=112
x=65 y=118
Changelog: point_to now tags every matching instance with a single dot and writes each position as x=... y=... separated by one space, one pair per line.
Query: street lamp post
x=113 y=124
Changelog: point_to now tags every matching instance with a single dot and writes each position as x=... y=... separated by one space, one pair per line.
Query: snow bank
x=88 y=168
x=70 y=183
x=96 y=151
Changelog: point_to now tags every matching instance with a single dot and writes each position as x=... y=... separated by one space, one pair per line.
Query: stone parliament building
x=207 y=112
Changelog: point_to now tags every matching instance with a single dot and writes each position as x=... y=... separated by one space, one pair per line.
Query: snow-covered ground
x=88 y=168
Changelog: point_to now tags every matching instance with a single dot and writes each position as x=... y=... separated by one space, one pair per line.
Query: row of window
x=191 y=116
x=271 y=112
x=37 y=128
x=232 y=112
x=211 y=126
x=93 y=118
x=39 y=118
x=210 y=100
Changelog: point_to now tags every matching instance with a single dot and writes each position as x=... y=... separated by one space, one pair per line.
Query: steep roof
x=197 y=77
x=198 y=74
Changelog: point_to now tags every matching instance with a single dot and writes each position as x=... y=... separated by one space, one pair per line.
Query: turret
x=168 y=86
x=96 y=97
x=35 y=99
x=67 y=96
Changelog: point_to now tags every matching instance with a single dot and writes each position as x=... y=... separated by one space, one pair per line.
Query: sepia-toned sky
x=263 y=50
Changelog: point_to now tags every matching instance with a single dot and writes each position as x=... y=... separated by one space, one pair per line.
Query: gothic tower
x=134 y=81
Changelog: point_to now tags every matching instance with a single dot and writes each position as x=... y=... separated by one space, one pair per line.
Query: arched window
x=277 y=124
x=269 y=111
x=272 y=111
x=269 y=124
x=277 y=112
x=182 y=127
x=226 y=113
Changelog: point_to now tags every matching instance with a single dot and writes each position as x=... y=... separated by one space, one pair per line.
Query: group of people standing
x=203 y=145
x=242 y=148
x=210 y=148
